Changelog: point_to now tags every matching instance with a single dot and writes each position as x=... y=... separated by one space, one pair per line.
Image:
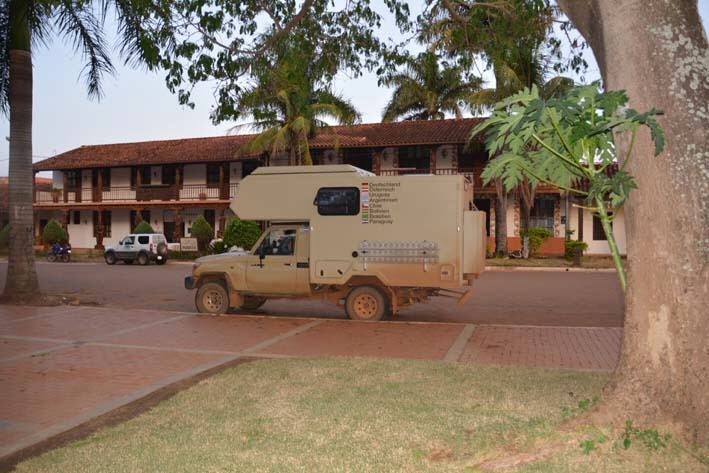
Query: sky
x=138 y=107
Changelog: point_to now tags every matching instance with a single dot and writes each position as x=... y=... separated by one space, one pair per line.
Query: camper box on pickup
x=338 y=233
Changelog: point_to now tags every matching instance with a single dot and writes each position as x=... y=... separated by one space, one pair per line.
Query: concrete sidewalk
x=63 y=366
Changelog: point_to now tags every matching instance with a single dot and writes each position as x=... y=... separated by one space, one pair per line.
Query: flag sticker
x=364 y=199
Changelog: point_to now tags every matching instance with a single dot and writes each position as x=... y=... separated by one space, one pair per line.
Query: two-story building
x=105 y=190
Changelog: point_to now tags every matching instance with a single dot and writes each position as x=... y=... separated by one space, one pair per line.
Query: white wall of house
x=81 y=235
x=331 y=156
x=120 y=185
x=120 y=226
x=235 y=172
x=120 y=177
x=511 y=229
x=388 y=159
x=58 y=179
x=279 y=159
x=599 y=247
x=195 y=174
x=444 y=156
x=155 y=175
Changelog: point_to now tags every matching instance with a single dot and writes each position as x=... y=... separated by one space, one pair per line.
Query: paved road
x=575 y=299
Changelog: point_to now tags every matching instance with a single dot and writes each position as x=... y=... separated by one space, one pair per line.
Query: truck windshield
x=278 y=242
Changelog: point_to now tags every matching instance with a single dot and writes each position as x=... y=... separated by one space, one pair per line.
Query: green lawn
x=361 y=416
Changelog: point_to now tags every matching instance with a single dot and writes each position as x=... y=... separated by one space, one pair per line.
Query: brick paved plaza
x=62 y=366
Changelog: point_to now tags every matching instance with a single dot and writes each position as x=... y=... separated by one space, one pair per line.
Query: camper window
x=337 y=201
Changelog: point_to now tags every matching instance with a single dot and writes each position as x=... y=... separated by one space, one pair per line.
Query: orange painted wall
x=551 y=247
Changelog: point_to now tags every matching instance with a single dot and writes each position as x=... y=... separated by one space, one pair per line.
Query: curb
x=503 y=269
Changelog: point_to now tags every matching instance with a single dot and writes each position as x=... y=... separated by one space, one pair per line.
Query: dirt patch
x=114 y=417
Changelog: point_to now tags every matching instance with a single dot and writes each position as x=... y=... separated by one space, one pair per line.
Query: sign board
x=188 y=244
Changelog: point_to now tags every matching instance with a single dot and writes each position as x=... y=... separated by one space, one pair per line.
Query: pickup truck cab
x=140 y=247
x=372 y=244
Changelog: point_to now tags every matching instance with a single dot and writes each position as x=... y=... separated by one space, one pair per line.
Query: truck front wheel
x=365 y=303
x=212 y=298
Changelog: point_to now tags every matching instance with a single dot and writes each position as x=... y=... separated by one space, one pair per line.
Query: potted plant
x=56 y=193
x=573 y=251
x=202 y=196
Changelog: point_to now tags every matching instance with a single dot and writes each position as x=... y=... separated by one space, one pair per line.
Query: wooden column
x=178 y=174
x=99 y=185
x=37 y=233
x=65 y=183
x=222 y=221
x=178 y=226
x=221 y=183
x=377 y=161
x=136 y=220
x=432 y=160
x=99 y=229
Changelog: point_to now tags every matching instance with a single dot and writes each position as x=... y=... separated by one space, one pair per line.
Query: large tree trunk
x=657 y=51
x=500 y=220
x=21 y=283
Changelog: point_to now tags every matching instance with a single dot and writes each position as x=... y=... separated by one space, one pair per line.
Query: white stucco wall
x=120 y=185
x=279 y=159
x=120 y=226
x=195 y=174
x=331 y=156
x=387 y=160
x=58 y=179
x=81 y=235
x=444 y=157
x=235 y=172
x=598 y=247
x=511 y=230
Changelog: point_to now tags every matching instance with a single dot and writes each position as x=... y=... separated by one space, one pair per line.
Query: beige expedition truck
x=372 y=243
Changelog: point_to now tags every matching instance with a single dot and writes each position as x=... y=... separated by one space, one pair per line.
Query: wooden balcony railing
x=468 y=173
x=156 y=193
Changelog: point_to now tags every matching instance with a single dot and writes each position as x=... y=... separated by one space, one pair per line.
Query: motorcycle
x=59 y=252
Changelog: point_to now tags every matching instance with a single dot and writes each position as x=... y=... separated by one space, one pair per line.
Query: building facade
x=99 y=193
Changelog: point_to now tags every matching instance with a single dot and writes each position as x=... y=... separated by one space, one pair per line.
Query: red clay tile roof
x=223 y=148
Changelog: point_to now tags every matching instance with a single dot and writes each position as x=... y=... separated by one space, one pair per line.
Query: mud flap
x=466 y=296
x=462 y=297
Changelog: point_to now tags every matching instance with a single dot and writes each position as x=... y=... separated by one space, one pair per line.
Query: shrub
x=54 y=233
x=242 y=233
x=5 y=236
x=143 y=227
x=202 y=231
x=537 y=236
x=571 y=245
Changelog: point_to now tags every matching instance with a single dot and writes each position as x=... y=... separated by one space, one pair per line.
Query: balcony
x=154 y=193
x=473 y=175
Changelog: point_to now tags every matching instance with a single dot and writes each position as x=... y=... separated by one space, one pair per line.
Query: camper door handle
x=287 y=264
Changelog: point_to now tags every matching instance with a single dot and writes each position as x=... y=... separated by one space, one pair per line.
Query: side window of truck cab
x=278 y=242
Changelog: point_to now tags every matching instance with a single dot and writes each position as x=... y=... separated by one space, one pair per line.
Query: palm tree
x=520 y=69
x=427 y=90
x=24 y=24
x=289 y=109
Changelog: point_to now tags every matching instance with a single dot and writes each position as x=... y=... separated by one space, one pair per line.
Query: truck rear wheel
x=365 y=303
x=212 y=298
x=252 y=302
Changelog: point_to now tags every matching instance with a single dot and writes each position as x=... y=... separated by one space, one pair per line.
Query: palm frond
x=136 y=45
x=78 y=21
